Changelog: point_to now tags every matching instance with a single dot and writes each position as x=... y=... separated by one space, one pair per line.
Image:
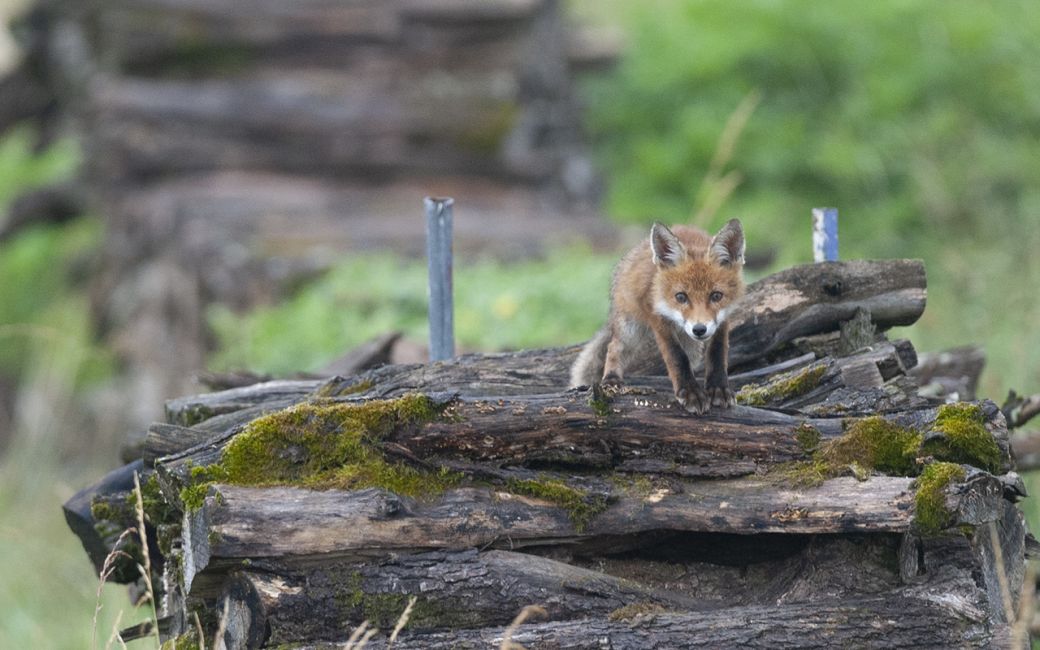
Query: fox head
x=694 y=288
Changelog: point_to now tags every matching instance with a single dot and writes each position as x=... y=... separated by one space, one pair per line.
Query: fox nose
x=699 y=329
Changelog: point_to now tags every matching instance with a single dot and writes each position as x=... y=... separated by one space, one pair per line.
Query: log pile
x=833 y=506
x=235 y=149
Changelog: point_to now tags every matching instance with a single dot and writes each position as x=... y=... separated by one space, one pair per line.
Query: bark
x=454 y=590
x=815 y=298
x=952 y=373
x=891 y=621
x=638 y=431
x=237 y=523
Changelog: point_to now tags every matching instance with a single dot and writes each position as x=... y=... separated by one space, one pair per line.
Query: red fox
x=674 y=290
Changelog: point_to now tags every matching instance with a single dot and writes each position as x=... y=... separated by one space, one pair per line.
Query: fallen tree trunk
x=304 y=526
x=891 y=621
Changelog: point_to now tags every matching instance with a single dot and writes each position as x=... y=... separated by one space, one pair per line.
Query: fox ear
x=727 y=246
x=666 y=247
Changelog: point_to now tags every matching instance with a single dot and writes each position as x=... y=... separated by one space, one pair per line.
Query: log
x=78 y=514
x=324 y=126
x=235 y=523
x=891 y=621
x=456 y=589
x=639 y=430
x=815 y=298
x=333 y=28
x=952 y=374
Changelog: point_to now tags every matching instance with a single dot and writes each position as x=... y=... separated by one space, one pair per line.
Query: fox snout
x=701 y=331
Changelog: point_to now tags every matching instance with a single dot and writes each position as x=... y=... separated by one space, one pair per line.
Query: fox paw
x=612 y=382
x=722 y=396
x=693 y=399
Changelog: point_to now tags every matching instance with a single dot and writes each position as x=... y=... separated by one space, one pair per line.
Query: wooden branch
x=1019 y=410
x=952 y=373
x=815 y=298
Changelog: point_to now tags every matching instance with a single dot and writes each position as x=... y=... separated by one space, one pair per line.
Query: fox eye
x=715 y=296
x=682 y=298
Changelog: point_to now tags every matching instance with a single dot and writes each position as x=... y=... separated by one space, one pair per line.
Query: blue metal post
x=825 y=234
x=439 y=254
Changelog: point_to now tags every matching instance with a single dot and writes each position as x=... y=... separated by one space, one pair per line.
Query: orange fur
x=668 y=290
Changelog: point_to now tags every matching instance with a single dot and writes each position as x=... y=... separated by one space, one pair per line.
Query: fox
x=673 y=292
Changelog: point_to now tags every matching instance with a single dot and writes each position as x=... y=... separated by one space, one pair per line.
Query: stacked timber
x=833 y=506
x=237 y=148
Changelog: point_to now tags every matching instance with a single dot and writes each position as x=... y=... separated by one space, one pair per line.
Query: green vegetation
x=580 y=507
x=324 y=446
x=561 y=299
x=635 y=609
x=781 y=387
x=965 y=438
x=875 y=443
x=930 y=513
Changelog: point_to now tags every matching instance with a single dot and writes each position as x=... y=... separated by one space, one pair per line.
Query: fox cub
x=674 y=290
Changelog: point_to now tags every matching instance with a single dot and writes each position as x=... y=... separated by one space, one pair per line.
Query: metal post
x=825 y=234
x=438 y=255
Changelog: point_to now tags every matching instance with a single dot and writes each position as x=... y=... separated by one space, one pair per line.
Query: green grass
x=560 y=299
x=48 y=590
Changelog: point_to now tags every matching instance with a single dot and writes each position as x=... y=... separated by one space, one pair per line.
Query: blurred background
x=189 y=189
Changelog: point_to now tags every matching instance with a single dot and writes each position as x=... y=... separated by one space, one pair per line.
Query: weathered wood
x=895 y=620
x=236 y=523
x=516 y=373
x=639 y=430
x=326 y=126
x=460 y=589
x=1019 y=409
x=189 y=411
x=815 y=298
x=81 y=520
x=952 y=374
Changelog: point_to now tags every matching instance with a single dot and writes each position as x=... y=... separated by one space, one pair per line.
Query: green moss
x=868 y=445
x=324 y=446
x=808 y=437
x=635 y=609
x=599 y=402
x=877 y=444
x=187 y=641
x=930 y=513
x=157 y=510
x=580 y=506
x=384 y=609
x=639 y=486
x=965 y=438
x=782 y=387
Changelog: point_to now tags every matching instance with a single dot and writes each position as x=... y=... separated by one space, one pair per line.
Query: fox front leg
x=613 y=374
x=716 y=366
x=687 y=391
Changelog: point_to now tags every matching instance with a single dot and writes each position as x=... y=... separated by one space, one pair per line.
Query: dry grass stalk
x=355 y=635
x=716 y=186
x=1026 y=606
x=401 y=622
x=530 y=611
x=115 y=632
x=146 y=570
x=198 y=630
x=998 y=559
x=221 y=625
x=107 y=567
